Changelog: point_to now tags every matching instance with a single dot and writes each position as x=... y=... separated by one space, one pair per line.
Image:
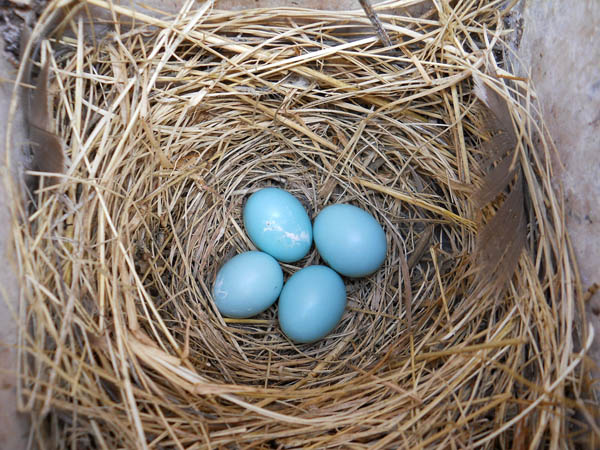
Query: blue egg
x=278 y=224
x=247 y=284
x=311 y=304
x=350 y=240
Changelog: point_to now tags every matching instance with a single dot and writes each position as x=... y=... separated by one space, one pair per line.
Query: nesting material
x=170 y=124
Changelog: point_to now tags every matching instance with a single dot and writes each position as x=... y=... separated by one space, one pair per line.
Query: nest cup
x=170 y=125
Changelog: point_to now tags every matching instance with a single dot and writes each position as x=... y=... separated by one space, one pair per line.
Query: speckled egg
x=247 y=285
x=311 y=304
x=278 y=224
x=350 y=240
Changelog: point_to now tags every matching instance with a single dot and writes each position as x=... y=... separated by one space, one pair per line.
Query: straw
x=170 y=125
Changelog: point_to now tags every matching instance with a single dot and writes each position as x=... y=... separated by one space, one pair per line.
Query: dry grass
x=170 y=125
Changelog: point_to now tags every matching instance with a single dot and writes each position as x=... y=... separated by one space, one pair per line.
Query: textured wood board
x=13 y=428
x=557 y=47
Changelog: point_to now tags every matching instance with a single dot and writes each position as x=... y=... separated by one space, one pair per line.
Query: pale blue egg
x=247 y=285
x=278 y=224
x=350 y=240
x=311 y=304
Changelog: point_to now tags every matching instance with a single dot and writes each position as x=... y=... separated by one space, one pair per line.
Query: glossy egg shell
x=350 y=240
x=278 y=224
x=311 y=304
x=247 y=285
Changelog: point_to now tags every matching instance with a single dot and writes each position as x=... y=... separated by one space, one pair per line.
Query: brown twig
x=374 y=18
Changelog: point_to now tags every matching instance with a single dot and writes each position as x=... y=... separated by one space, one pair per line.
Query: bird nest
x=464 y=337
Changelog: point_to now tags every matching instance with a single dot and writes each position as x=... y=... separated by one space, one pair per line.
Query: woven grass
x=169 y=125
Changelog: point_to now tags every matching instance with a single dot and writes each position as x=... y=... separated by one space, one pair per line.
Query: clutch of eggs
x=312 y=301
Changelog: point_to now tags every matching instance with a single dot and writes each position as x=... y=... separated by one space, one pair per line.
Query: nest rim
x=174 y=362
